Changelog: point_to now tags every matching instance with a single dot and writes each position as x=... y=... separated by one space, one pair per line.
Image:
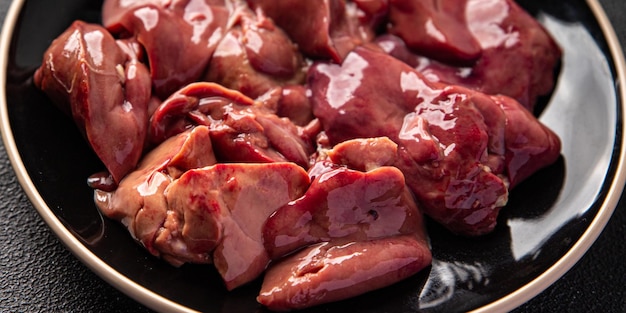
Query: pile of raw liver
x=304 y=139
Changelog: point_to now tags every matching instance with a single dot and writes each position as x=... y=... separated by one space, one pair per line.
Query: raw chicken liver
x=458 y=149
x=101 y=84
x=254 y=56
x=333 y=271
x=346 y=204
x=140 y=203
x=322 y=29
x=516 y=56
x=242 y=129
x=179 y=36
x=235 y=200
x=306 y=137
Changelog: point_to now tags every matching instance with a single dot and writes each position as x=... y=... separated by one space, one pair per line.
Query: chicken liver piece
x=455 y=145
x=333 y=271
x=242 y=129
x=344 y=203
x=102 y=85
x=140 y=204
x=179 y=36
x=254 y=56
x=237 y=199
x=517 y=57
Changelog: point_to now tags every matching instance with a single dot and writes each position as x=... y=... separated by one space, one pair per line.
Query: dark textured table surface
x=38 y=274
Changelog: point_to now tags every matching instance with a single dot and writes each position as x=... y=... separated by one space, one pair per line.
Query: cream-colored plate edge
x=159 y=303
x=565 y=263
x=113 y=277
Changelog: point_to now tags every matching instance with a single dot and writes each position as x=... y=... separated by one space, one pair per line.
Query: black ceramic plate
x=550 y=221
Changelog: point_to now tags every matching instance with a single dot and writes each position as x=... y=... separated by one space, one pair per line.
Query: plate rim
x=160 y=303
x=113 y=277
x=608 y=206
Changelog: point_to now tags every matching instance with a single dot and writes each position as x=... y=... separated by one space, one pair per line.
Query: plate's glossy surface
x=549 y=222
